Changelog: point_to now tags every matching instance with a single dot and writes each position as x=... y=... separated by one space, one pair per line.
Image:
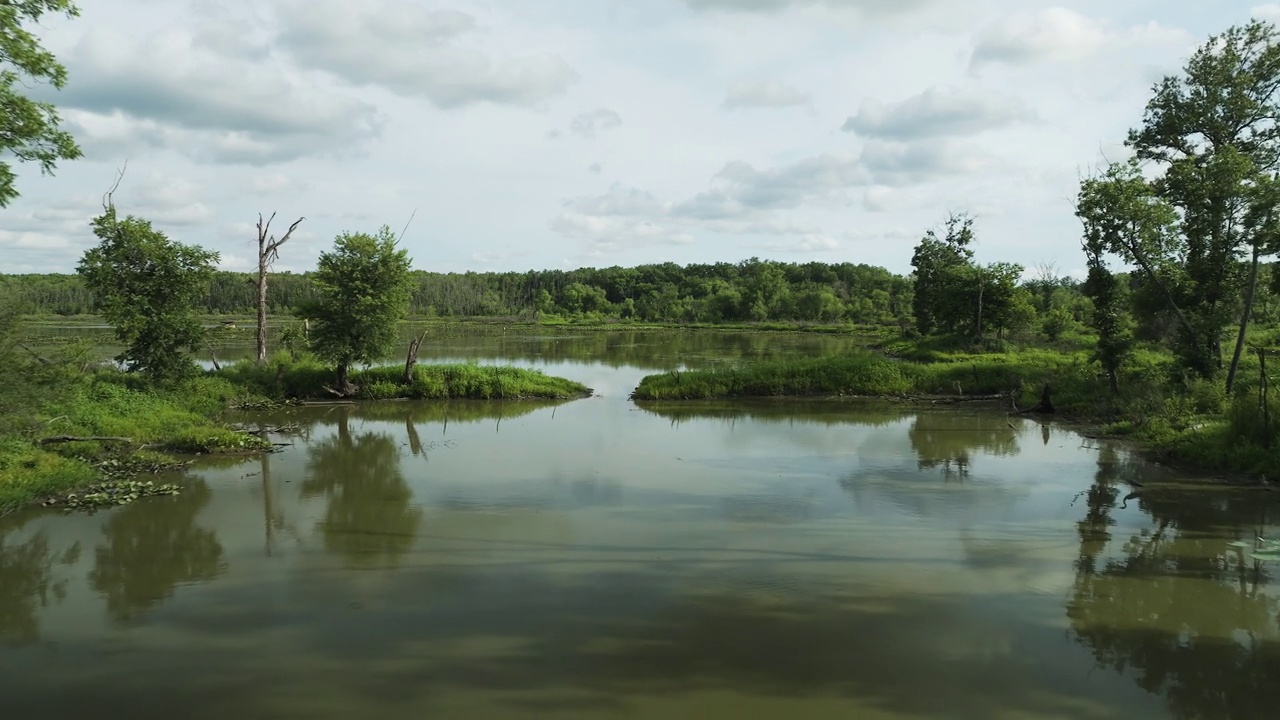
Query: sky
x=522 y=134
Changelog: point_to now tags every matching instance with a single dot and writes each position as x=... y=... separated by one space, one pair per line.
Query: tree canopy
x=147 y=287
x=1194 y=198
x=29 y=129
x=362 y=290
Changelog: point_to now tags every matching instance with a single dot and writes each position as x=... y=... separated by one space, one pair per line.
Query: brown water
x=598 y=559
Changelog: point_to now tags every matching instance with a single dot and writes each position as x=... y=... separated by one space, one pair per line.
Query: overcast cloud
x=598 y=132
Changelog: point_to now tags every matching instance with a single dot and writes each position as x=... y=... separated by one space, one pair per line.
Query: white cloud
x=764 y=94
x=587 y=124
x=127 y=95
x=1059 y=33
x=804 y=245
x=936 y=112
x=419 y=52
x=874 y=8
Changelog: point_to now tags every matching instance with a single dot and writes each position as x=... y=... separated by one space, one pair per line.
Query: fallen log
x=970 y=398
x=58 y=439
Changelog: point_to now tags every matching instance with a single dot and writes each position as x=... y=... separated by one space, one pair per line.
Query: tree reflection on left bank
x=151 y=548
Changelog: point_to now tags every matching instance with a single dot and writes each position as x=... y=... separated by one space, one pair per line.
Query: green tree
x=942 y=266
x=363 y=288
x=1213 y=132
x=1123 y=216
x=29 y=130
x=147 y=287
x=1001 y=303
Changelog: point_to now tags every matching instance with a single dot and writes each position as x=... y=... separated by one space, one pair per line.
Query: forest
x=753 y=290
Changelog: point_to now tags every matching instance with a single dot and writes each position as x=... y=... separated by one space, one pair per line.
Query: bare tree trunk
x=412 y=357
x=1244 y=318
x=268 y=251
x=344 y=381
x=981 y=287
x=262 y=311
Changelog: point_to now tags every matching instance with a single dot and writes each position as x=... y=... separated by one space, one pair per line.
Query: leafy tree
x=1001 y=303
x=147 y=287
x=362 y=290
x=1213 y=132
x=941 y=269
x=29 y=130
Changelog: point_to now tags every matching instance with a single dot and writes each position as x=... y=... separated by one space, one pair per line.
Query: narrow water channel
x=602 y=559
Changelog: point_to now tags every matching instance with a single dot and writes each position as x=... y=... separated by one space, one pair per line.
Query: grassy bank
x=307 y=379
x=136 y=430
x=72 y=429
x=1192 y=423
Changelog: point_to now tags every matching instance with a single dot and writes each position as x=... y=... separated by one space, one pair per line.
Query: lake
x=599 y=559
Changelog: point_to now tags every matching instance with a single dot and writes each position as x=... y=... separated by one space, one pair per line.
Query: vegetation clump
x=306 y=378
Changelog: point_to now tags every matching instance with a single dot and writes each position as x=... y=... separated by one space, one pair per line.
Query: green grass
x=177 y=419
x=307 y=379
x=28 y=474
x=862 y=373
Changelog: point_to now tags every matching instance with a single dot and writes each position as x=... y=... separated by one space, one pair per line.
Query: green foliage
x=856 y=374
x=28 y=473
x=307 y=379
x=943 y=275
x=1210 y=140
x=29 y=130
x=107 y=403
x=953 y=295
x=719 y=293
x=1056 y=322
x=1253 y=419
x=362 y=290
x=147 y=285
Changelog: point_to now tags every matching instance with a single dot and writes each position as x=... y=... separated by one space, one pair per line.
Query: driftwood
x=969 y=398
x=57 y=439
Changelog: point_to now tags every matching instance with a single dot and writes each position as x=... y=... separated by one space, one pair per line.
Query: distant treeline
x=752 y=290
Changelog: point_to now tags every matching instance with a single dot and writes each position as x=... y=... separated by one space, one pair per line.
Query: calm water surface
x=598 y=559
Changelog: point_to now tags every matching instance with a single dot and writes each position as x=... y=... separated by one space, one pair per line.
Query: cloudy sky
x=568 y=133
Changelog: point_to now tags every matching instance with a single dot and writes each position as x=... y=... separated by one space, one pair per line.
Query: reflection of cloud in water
x=925 y=495
x=766 y=508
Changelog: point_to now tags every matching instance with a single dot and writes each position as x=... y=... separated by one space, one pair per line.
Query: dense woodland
x=756 y=290
x=753 y=290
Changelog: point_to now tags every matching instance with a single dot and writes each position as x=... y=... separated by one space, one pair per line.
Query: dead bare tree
x=412 y=358
x=268 y=252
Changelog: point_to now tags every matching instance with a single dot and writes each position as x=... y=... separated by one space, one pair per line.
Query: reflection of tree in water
x=949 y=440
x=1184 y=613
x=794 y=411
x=369 y=519
x=27 y=585
x=152 y=547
